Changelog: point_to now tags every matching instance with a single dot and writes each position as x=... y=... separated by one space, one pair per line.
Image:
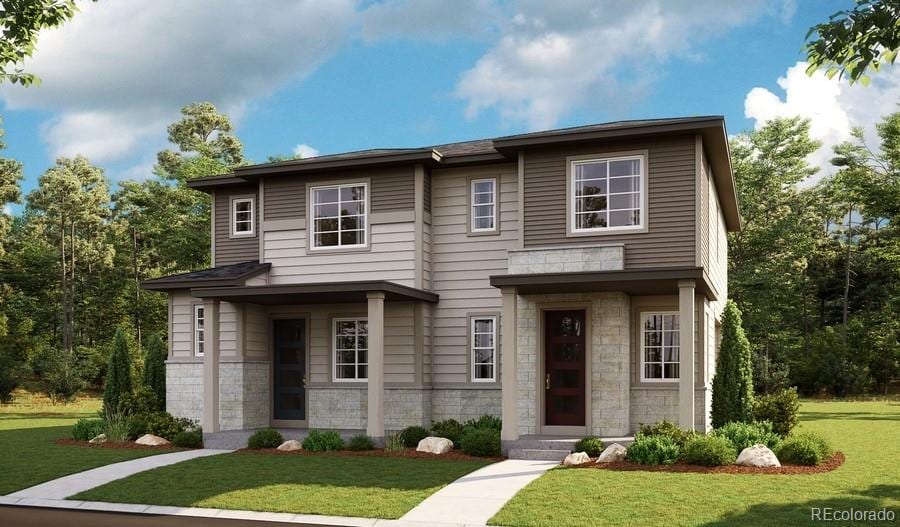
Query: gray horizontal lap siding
x=671 y=235
x=235 y=250
x=285 y=198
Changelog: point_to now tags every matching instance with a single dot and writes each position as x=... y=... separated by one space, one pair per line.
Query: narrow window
x=199 y=331
x=607 y=194
x=659 y=346
x=242 y=216
x=484 y=205
x=351 y=349
x=484 y=349
x=339 y=216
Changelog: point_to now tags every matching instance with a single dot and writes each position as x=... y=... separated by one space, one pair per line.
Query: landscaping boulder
x=152 y=440
x=757 y=456
x=614 y=452
x=290 y=445
x=435 y=445
x=576 y=458
x=99 y=439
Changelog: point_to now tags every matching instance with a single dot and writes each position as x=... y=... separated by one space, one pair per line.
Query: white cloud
x=552 y=58
x=433 y=20
x=833 y=106
x=304 y=151
x=119 y=71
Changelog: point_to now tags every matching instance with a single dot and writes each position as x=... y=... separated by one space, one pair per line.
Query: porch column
x=375 y=417
x=508 y=371
x=211 y=367
x=686 y=391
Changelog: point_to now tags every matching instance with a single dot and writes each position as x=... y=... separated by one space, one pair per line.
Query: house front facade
x=569 y=281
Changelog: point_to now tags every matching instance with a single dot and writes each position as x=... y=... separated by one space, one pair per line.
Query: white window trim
x=197 y=330
x=472 y=353
x=234 y=203
x=493 y=204
x=312 y=217
x=644 y=377
x=334 y=348
x=573 y=161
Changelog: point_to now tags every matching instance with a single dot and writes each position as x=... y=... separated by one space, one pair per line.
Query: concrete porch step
x=535 y=454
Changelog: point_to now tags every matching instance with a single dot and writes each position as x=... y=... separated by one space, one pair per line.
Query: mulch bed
x=453 y=455
x=834 y=462
x=68 y=441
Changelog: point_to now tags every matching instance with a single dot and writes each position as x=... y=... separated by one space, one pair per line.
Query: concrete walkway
x=62 y=488
x=473 y=499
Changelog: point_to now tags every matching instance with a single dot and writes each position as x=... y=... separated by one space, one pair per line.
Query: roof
x=223 y=275
x=316 y=293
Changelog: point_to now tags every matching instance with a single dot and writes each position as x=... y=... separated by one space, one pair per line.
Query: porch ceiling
x=637 y=282
x=319 y=293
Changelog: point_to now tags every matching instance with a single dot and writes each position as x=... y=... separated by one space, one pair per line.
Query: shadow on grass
x=871 y=499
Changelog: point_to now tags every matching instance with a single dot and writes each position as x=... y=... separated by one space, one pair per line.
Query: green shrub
x=712 y=451
x=361 y=442
x=448 y=429
x=323 y=441
x=653 y=450
x=393 y=444
x=137 y=426
x=141 y=401
x=732 y=389
x=806 y=448
x=189 y=438
x=12 y=372
x=483 y=442
x=590 y=445
x=165 y=425
x=266 y=438
x=491 y=422
x=87 y=429
x=412 y=435
x=61 y=378
x=155 y=370
x=781 y=408
x=743 y=435
x=667 y=429
x=117 y=427
x=118 y=374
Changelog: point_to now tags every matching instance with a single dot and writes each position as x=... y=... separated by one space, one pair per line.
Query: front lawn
x=364 y=486
x=867 y=432
x=28 y=455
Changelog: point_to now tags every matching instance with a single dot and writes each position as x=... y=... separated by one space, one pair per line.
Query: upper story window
x=339 y=216
x=484 y=205
x=660 y=346
x=607 y=194
x=351 y=349
x=199 y=330
x=484 y=349
x=242 y=217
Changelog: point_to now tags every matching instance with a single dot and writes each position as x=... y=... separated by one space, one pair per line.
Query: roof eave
x=169 y=284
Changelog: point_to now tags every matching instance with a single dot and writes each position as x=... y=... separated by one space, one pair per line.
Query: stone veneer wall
x=609 y=359
x=243 y=395
x=184 y=389
x=654 y=404
x=566 y=259
x=464 y=404
x=345 y=408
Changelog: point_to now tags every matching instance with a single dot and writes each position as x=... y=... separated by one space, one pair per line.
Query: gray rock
x=757 y=456
x=576 y=458
x=614 y=452
x=99 y=439
x=290 y=445
x=152 y=440
x=435 y=445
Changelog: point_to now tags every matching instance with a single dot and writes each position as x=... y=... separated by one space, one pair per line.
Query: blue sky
x=342 y=75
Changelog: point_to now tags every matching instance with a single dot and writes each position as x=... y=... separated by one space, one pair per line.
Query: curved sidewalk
x=62 y=488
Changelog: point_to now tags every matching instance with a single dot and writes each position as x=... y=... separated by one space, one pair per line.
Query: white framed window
x=339 y=216
x=242 y=217
x=660 y=346
x=351 y=349
x=199 y=329
x=607 y=194
x=484 y=348
x=483 y=206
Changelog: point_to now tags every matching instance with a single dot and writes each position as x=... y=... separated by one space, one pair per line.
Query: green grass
x=867 y=432
x=364 y=486
x=28 y=454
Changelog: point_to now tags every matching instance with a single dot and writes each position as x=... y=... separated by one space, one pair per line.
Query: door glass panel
x=566 y=352
x=566 y=378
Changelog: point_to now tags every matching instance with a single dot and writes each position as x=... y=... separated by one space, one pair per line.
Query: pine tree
x=155 y=369
x=118 y=374
x=732 y=396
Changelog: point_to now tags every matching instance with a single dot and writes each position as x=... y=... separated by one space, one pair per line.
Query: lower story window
x=351 y=349
x=660 y=346
x=484 y=349
x=199 y=319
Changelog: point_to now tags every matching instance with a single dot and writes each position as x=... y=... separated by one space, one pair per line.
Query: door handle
x=304 y=381
x=547 y=382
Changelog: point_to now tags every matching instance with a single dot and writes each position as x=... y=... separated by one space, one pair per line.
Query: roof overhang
x=638 y=282
x=185 y=280
x=319 y=293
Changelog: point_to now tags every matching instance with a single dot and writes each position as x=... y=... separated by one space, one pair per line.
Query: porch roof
x=318 y=293
x=223 y=275
x=661 y=281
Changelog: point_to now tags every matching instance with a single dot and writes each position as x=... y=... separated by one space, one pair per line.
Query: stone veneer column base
x=184 y=389
x=346 y=408
x=652 y=405
x=464 y=404
x=244 y=396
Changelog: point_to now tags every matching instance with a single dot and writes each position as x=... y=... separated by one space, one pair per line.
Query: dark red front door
x=564 y=374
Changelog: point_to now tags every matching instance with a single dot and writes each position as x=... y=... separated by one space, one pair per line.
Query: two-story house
x=570 y=281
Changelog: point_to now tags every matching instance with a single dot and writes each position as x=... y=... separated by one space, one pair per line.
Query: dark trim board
x=319 y=293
